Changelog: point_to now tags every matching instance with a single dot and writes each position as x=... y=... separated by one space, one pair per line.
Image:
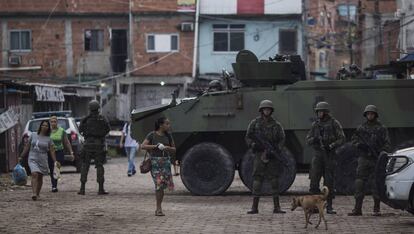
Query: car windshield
x=34 y=124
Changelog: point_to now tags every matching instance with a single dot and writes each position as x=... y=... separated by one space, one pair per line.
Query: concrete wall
x=266 y=46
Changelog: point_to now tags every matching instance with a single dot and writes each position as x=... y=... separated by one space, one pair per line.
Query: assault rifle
x=272 y=152
x=373 y=152
x=323 y=146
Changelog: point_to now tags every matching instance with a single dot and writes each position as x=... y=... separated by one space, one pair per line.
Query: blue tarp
x=408 y=58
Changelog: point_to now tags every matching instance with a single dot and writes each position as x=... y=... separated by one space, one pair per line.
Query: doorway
x=119 y=50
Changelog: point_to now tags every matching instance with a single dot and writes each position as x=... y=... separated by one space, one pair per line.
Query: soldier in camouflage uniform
x=370 y=139
x=325 y=137
x=264 y=165
x=94 y=128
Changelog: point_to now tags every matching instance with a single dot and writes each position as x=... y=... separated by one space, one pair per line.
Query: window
x=228 y=37
x=288 y=41
x=162 y=42
x=94 y=40
x=20 y=40
x=343 y=12
x=124 y=88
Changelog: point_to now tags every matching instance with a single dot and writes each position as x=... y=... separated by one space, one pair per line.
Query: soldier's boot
x=82 y=189
x=377 y=209
x=255 y=206
x=276 y=205
x=357 y=211
x=329 y=208
x=102 y=190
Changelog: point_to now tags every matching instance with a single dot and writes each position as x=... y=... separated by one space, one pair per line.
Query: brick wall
x=155 y=5
x=97 y=6
x=31 y=6
x=176 y=64
x=48 y=48
x=385 y=6
x=68 y=6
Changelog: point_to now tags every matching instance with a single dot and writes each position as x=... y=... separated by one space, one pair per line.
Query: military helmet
x=353 y=66
x=215 y=84
x=266 y=104
x=322 y=106
x=94 y=105
x=370 y=108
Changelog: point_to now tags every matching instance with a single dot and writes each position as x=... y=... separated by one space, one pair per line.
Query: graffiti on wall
x=49 y=94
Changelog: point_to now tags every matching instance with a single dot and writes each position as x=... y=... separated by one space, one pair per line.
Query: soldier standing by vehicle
x=370 y=138
x=94 y=128
x=265 y=165
x=325 y=137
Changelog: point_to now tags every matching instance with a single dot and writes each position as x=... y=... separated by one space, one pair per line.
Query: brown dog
x=310 y=203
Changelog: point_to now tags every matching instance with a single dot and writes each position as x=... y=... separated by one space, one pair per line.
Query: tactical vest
x=95 y=126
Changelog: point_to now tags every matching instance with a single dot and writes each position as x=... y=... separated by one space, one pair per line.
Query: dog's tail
x=325 y=192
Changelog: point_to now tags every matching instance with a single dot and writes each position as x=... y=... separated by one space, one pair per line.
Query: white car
x=71 y=129
x=395 y=179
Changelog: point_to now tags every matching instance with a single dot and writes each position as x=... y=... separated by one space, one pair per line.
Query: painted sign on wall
x=186 y=5
x=49 y=94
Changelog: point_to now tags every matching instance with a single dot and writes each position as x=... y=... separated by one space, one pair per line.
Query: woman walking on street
x=131 y=147
x=60 y=141
x=160 y=145
x=38 y=147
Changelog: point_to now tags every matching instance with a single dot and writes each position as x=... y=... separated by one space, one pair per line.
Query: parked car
x=71 y=128
x=395 y=179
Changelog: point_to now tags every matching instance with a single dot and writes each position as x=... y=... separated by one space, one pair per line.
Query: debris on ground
x=6 y=183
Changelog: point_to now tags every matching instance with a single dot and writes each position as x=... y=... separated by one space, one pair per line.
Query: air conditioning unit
x=187 y=27
x=15 y=60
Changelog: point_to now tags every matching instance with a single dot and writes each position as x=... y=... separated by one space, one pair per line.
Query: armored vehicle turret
x=209 y=130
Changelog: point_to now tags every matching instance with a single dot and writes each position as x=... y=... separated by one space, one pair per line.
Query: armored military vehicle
x=209 y=130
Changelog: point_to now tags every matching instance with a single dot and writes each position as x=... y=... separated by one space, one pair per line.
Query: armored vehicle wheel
x=207 y=169
x=286 y=176
x=347 y=162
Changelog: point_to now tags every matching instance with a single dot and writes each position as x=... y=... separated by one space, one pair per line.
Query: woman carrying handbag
x=160 y=145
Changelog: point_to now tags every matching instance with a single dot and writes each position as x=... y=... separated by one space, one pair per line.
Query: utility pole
x=351 y=56
x=131 y=38
x=305 y=4
x=195 y=49
x=378 y=38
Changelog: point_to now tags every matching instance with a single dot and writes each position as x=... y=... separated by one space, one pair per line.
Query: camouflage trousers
x=323 y=165
x=365 y=175
x=262 y=171
x=99 y=157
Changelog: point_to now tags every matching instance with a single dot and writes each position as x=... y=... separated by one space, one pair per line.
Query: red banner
x=250 y=7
